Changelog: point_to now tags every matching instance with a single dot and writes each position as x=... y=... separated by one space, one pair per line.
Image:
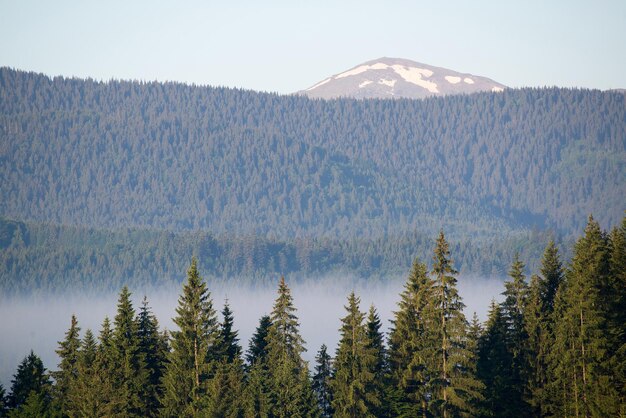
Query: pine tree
x=86 y=396
x=105 y=365
x=353 y=366
x=493 y=366
x=228 y=343
x=617 y=306
x=189 y=362
x=411 y=340
x=153 y=349
x=321 y=382
x=288 y=374
x=30 y=378
x=226 y=390
x=580 y=369
x=513 y=308
x=4 y=402
x=455 y=388
x=257 y=349
x=256 y=393
x=67 y=374
x=375 y=346
x=130 y=375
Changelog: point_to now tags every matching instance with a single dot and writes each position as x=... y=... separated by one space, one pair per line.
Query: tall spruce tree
x=617 y=304
x=227 y=346
x=455 y=387
x=493 y=367
x=321 y=382
x=87 y=394
x=376 y=347
x=287 y=371
x=105 y=365
x=411 y=341
x=30 y=378
x=153 y=348
x=411 y=345
x=513 y=309
x=582 y=378
x=130 y=375
x=67 y=374
x=189 y=365
x=353 y=367
x=257 y=349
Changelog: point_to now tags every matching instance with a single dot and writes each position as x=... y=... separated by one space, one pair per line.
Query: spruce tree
x=87 y=396
x=353 y=365
x=582 y=379
x=226 y=390
x=67 y=374
x=513 y=309
x=189 y=366
x=256 y=393
x=30 y=378
x=321 y=382
x=4 y=402
x=411 y=345
x=617 y=306
x=288 y=374
x=153 y=349
x=257 y=349
x=105 y=365
x=494 y=365
x=376 y=347
x=455 y=389
x=130 y=376
x=227 y=343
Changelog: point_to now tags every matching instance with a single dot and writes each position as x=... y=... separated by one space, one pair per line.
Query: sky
x=286 y=46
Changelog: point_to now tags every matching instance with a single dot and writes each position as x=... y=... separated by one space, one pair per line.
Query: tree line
x=39 y=258
x=555 y=346
x=178 y=157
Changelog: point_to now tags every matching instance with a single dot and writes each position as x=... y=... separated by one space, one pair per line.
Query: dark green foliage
x=129 y=373
x=617 y=315
x=37 y=405
x=513 y=310
x=493 y=367
x=257 y=349
x=4 y=401
x=225 y=390
x=289 y=391
x=30 y=378
x=376 y=347
x=227 y=345
x=67 y=375
x=455 y=389
x=189 y=365
x=355 y=361
x=87 y=397
x=153 y=348
x=256 y=395
x=321 y=382
x=106 y=366
x=411 y=344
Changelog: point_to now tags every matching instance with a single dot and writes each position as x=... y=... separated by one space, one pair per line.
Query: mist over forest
x=320 y=303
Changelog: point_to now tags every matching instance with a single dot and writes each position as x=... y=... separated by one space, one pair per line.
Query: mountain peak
x=399 y=78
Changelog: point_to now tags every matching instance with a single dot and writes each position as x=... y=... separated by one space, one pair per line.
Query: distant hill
x=393 y=78
x=176 y=157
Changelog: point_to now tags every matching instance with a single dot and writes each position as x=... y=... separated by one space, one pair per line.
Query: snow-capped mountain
x=399 y=78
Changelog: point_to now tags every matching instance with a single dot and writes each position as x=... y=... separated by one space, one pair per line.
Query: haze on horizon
x=285 y=47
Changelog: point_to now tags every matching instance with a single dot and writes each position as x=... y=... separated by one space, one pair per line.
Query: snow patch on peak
x=468 y=80
x=365 y=83
x=389 y=83
x=497 y=89
x=452 y=79
x=363 y=68
x=414 y=75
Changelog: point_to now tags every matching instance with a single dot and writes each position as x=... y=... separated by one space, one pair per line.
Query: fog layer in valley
x=38 y=323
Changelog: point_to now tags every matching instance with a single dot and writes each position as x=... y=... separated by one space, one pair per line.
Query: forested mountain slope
x=180 y=157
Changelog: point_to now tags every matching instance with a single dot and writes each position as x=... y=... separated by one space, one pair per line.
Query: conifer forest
x=555 y=346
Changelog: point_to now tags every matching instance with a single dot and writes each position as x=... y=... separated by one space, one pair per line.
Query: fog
x=38 y=323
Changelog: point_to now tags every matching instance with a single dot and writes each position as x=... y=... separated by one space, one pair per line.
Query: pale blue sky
x=286 y=46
